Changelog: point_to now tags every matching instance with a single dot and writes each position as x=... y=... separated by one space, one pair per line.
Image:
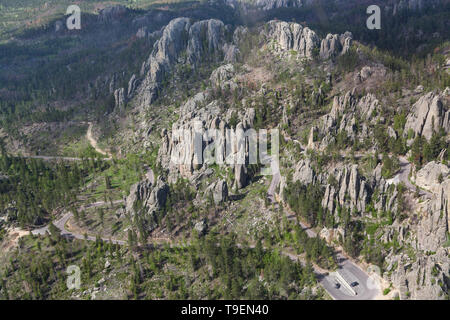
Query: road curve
x=61 y=225
x=403 y=176
x=61 y=222
x=366 y=289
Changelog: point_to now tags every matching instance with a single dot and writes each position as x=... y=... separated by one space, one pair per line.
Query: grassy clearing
x=114 y=182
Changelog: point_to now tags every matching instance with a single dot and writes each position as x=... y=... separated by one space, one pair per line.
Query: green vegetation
x=423 y=151
x=303 y=201
x=207 y=269
x=35 y=188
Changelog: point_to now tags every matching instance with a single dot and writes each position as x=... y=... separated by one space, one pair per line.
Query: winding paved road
x=328 y=281
x=61 y=222
x=365 y=289
x=403 y=176
x=61 y=225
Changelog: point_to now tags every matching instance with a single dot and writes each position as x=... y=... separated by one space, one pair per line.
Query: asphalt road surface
x=61 y=225
x=403 y=176
x=365 y=289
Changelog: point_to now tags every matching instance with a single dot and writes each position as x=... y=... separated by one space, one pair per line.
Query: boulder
x=219 y=191
x=220 y=194
x=220 y=76
x=428 y=176
x=201 y=227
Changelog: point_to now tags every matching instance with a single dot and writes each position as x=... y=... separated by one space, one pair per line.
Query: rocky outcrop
x=304 y=172
x=132 y=85
x=107 y=83
x=428 y=177
x=370 y=72
x=423 y=279
x=332 y=234
x=221 y=76
x=425 y=275
x=334 y=45
x=428 y=115
x=239 y=35
x=201 y=227
x=146 y=199
x=219 y=191
x=231 y=53
x=180 y=150
x=312 y=137
x=432 y=228
x=267 y=5
x=198 y=40
x=340 y=103
x=165 y=54
x=293 y=36
x=205 y=37
x=240 y=176
x=345 y=112
x=344 y=187
x=276 y=4
x=120 y=99
x=350 y=190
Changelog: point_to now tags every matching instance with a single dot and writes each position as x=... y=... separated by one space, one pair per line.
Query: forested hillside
x=119 y=153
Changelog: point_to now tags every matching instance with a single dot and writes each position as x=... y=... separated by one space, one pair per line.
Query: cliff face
x=146 y=198
x=421 y=272
x=165 y=53
x=420 y=269
x=428 y=115
x=305 y=42
x=425 y=275
x=180 y=42
x=293 y=36
x=180 y=151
